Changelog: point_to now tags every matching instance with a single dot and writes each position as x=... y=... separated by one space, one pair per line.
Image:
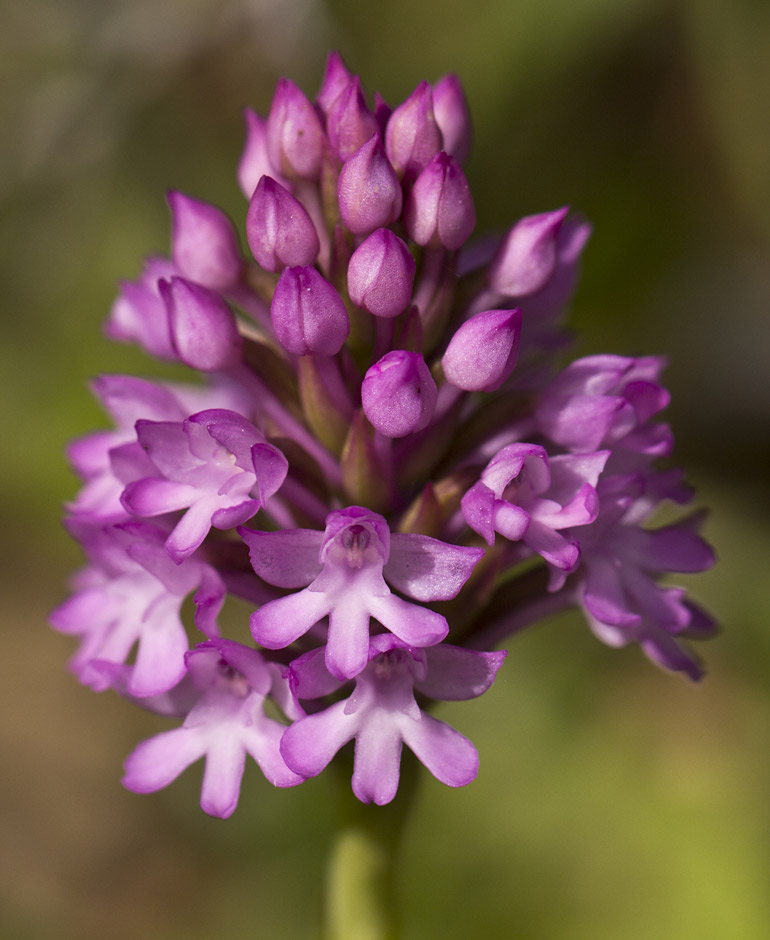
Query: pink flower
x=382 y=714
x=345 y=568
x=226 y=723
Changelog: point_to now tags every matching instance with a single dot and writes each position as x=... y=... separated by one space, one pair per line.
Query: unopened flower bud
x=349 y=123
x=139 y=314
x=294 y=133
x=439 y=211
x=203 y=329
x=255 y=162
x=381 y=274
x=368 y=189
x=205 y=245
x=278 y=229
x=526 y=259
x=398 y=394
x=570 y=243
x=412 y=137
x=450 y=108
x=483 y=352
x=308 y=314
x=336 y=79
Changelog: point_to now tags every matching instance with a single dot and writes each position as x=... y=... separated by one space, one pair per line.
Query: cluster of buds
x=383 y=426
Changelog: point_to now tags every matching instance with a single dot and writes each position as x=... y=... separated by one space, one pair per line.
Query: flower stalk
x=361 y=896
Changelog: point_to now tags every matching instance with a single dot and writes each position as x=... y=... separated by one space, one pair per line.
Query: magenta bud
x=412 y=137
x=526 y=259
x=570 y=243
x=381 y=274
x=205 y=245
x=336 y=78
x=203 y=330
x=308 y=314
x=439 y=210
x=483 y=352
x=349 y=123
x=368 y=189
x=294 y=134
x=139 y=315
x=254 y=162
x=398 y=394
x=278 y=229
x=453 y=116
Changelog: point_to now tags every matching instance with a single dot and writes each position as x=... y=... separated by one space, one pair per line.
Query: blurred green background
x=614 y=802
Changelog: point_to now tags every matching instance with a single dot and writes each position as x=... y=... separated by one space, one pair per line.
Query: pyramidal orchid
x=379 y=424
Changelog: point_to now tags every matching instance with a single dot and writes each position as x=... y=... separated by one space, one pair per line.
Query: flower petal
x=455 y=673
x=415 y=625
x=160 y=658
x=310 y=743
x=221 y=785
x=154 y=497
x=428 y=569
x=447 y=754
x=377 y=760
x=282 y=621
x=287 y=559
x=263 y=740
x=156 y=762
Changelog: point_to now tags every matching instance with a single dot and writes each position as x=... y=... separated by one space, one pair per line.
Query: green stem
x=360 y=900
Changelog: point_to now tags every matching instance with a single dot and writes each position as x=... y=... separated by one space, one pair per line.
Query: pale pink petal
x=282 y=621
x=156 y=762
x=262 y=740
x=415 y=625
x=426 y=569
x=225 y=761
x=287 y=559
x=455 y=673
x=309 y=744
x=377 y=759
x=447 y=754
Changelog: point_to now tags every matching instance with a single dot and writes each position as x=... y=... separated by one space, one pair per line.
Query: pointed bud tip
x=368 y=189
x=204 y=242
x=381 y=274
x=308 y=314
x=279 y=231
x=440 y=210
x=526 y=259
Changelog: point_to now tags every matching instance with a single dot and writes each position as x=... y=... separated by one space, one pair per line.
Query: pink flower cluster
x=383 y=424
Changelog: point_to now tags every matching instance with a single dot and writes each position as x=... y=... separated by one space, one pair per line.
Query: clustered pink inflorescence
x=384 y=424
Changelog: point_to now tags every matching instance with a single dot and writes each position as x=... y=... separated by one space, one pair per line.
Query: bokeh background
x=614 y=802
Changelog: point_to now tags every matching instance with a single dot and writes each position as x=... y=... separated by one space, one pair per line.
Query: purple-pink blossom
x=130 y=599
x=223 y=726
x=386 y=449
x=382 y=714
x=524 y=495
x=343 y=572
x=214 y=465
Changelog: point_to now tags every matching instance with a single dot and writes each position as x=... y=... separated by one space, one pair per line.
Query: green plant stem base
x=360 y=899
